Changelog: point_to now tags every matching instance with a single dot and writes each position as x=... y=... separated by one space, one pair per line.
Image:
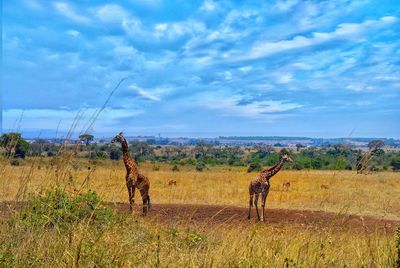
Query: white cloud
x=343 y=31
x=246 y=69
x=67 y=11
x=231 y=106
x=285 y=78
x=73 y=33
x=208 y=6
x=286 y=5
x=178 y=29
x=145 y=94
x=388 y=78
x=111 y=13
x=161 y=27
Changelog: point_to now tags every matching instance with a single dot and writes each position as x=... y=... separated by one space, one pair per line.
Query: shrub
x=175 y=168
x=14 y=162
x=254 y=167
x=395 y=163
x=156 y=167
x=58 y=209
x=200 y=166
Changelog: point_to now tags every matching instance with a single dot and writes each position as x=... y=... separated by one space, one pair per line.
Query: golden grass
x=132 y=241
x=376 y=194
x=137 y=242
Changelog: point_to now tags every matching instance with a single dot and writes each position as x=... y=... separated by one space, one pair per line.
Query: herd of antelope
x=259 y=186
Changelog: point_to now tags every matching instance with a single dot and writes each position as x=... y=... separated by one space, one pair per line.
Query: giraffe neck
x=128 y=161
x=273 y=170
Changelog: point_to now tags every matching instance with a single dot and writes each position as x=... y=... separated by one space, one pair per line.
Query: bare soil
x=207 y=215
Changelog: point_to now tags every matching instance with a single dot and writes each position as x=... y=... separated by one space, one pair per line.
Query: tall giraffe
x=260 y=185
x=133 y=178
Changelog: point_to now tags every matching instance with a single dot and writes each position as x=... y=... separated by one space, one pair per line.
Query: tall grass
x=132 y=241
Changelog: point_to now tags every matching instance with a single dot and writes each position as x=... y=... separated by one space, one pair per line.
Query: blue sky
x=203 y=68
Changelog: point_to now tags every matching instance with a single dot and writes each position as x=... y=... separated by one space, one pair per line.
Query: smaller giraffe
x=261 y=185
x=133 y=178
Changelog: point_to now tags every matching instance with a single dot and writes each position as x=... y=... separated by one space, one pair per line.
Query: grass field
x=134 y=241
x=375 y=194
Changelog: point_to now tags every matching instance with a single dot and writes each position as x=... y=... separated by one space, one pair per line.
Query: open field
x=201 y=222
x=376 y=194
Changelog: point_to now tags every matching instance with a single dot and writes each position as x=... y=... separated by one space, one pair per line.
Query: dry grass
x=137 y=242
x=376 y=194
x=132 y=241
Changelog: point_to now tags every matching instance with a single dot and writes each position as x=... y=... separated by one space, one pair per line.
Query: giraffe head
x=286 y=158
x=118 y=138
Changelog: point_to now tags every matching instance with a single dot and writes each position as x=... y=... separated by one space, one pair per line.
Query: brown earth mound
x=204 y=215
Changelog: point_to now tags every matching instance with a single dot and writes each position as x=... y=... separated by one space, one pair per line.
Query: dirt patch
x=229 y=215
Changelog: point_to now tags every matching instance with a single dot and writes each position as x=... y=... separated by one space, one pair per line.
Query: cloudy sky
x=203 y=68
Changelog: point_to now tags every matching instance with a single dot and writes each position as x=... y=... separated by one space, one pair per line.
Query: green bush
x=175 y=168
x=156 y=167
x=254 y=167
x=58 y=209
x=395 y=163
x=200 y=166
x=14 y=162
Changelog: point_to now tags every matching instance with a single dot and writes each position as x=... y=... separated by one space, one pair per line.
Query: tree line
x=332 y=157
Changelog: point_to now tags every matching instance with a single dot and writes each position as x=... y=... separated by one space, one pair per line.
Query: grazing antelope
x=172 y=182
x=261 y=185
x=286 y=185
x=323 y=186
x=133 y=178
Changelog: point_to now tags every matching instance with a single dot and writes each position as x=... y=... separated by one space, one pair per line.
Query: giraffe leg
x=250 y=206
x=148 y=202
x=131 y=193
x=145 y=199
x=263 y=195
x=256 y=205
x=264 y=198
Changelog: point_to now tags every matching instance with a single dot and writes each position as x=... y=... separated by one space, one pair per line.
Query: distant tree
x=13 y=142
x=115 y=153
x=299 y=146
x=263 y=148
x=395 y=163
x=87 y=138
x=375 y=147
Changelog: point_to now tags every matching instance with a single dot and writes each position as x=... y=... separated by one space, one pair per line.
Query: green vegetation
x=58 y=209
x=14 y=145
x=330 y=157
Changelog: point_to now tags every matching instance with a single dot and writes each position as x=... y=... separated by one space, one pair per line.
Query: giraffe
x=133 y=178
x=261 y=185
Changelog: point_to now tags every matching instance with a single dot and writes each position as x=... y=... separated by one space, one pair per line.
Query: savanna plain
x=199 y=222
